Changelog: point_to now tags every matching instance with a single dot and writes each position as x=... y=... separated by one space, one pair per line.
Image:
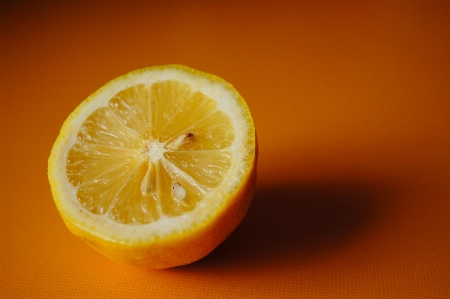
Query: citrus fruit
x=157 y=167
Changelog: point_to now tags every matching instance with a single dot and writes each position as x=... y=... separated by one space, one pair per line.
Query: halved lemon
x=157 y=167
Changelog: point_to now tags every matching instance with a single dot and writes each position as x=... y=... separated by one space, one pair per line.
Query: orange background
x=352 y=107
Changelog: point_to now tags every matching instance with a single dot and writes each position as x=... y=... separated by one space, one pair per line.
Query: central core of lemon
x=154 y=151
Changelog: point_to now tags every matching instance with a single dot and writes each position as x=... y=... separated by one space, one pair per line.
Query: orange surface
x=352 y=107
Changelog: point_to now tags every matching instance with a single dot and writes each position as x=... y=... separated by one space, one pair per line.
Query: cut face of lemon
x=157 y=167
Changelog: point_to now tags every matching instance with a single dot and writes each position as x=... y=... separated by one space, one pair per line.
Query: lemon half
x=157 y=167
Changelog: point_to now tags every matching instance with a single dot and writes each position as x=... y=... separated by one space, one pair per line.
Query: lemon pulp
x=149 y=154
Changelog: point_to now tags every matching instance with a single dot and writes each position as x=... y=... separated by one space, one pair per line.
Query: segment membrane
x=169 y=176
x=168 y=99
x=212 y=132
x=130 y=205
x=206 y=167
x=133 y=107
x=106 y=128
